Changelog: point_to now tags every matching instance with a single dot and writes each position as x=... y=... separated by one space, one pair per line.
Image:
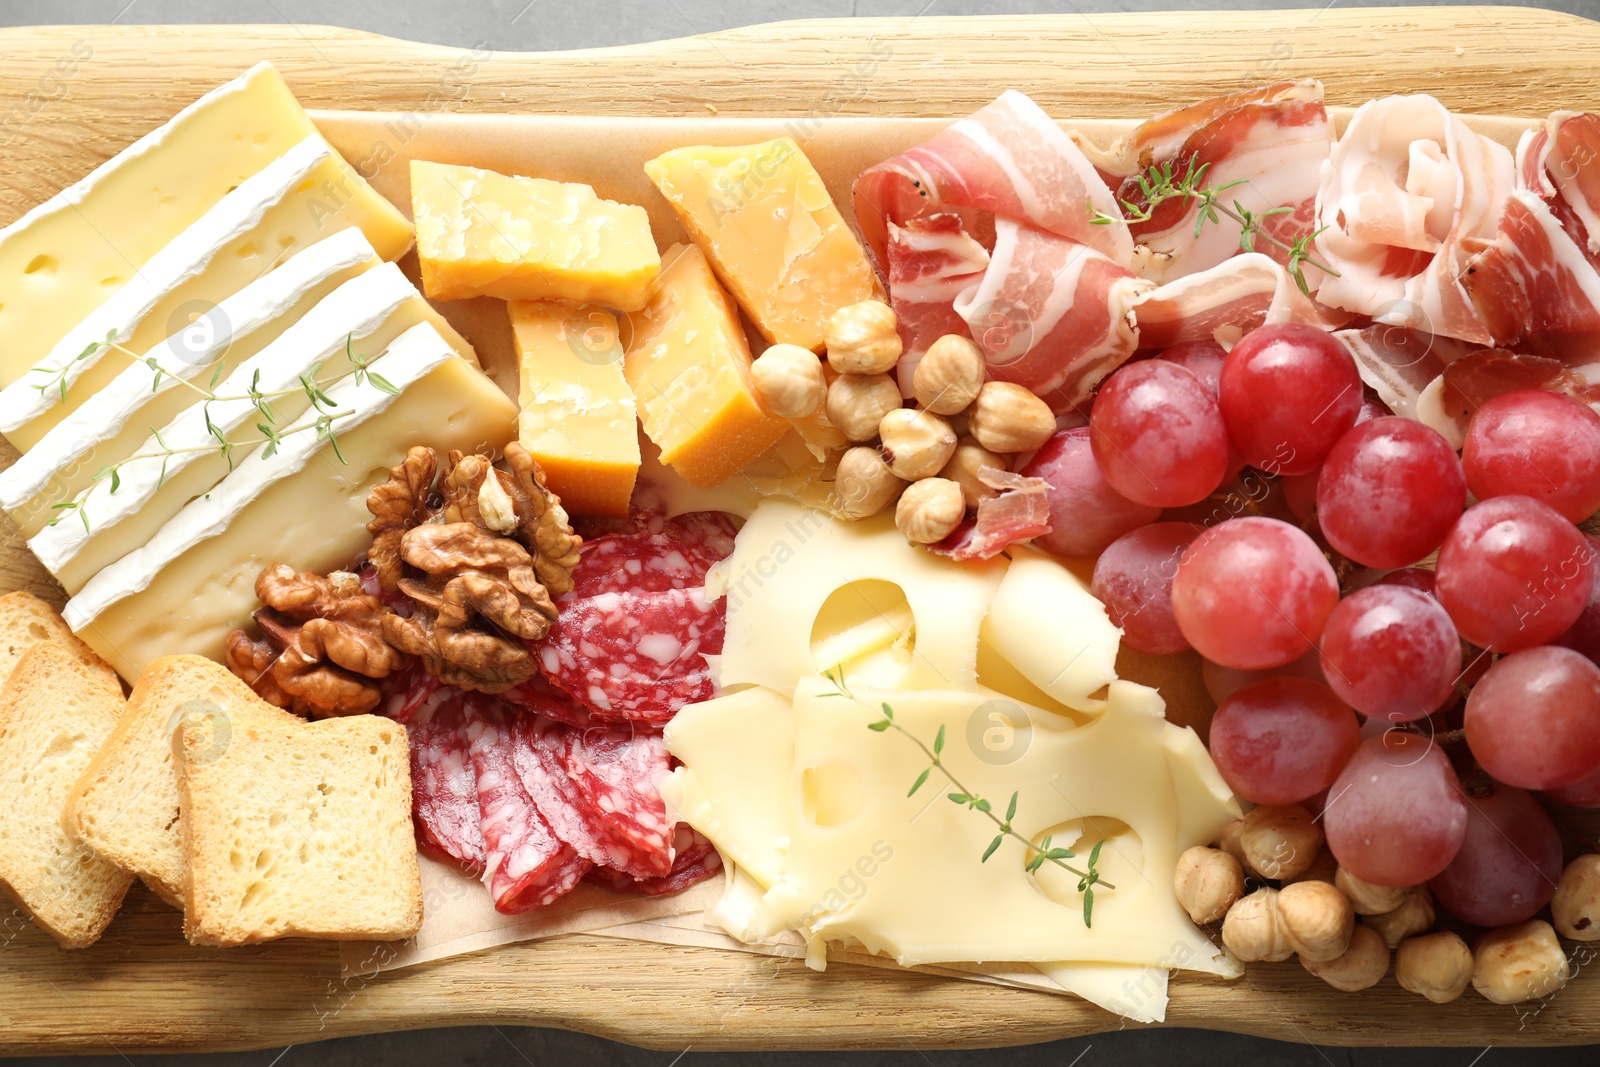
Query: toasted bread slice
x=125 y=805
x=297 y=829
x=54 y=715
x=25 y=620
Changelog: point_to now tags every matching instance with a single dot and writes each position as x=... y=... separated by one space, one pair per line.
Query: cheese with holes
x=763 y=216
x=112 y=518
x=485 y=234
x=305 y=195
x=789 y=560
x=689 y=366
x=194 y=581
x=578 y=417
x=110 y=425
x=71 y=253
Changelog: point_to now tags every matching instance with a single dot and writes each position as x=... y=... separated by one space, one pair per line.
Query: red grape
x=1534 y=719
x=1253 y=593
x=1371 y=409
x=1391 y=653
x=1133 y=579
x=1086 y=514
x=1282 y=740
x=1157 y=435
x=1395 y=815
x=1390 y=491
x=1514 y=574
x=1509 y=863
x=1418 y=578
x=1581 y=794
x=1222 y=682
x=1584 y=635
x=1203 y=359
x=1539 y=444
x=1288 y=393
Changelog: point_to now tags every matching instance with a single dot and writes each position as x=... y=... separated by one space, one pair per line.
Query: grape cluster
x=1400 y=635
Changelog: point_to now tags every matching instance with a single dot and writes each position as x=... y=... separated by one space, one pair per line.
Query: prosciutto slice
x=1408 y=196
x=931 y=260
x=1019 y=511
x=1223 y=303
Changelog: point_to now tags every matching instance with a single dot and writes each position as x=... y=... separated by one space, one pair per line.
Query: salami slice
x=618 y=773
x=538 y=697
x=697 y=859
x=670 y=554
x=444 y=786
x=526 y=866
x=635 y=656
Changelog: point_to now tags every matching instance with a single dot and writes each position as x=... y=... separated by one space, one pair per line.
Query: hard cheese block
x=772 y=231
x=298 y=199
x=689 y=366
x=485 y=234
x=359 y=319
x=110 y=425
x=578 y=418
x=194 y=581
x=68 y=256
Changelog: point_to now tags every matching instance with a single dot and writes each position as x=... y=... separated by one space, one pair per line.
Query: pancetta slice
x=1408 y=196
x=1223 y=303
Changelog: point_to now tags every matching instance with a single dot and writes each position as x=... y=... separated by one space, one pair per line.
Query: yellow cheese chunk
x=577 y=417
x=772 y=231
x=485 y=234
x=67 y=256
x=689 y=366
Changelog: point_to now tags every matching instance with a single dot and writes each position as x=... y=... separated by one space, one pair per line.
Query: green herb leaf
x=959 y=798
x=992 y=846
x=1011 y=808
x=880 y=726
x=982 y=805
x=888 y=712
x=938 y=740
x=382 y=384
x=1088 y=908
x=921 y=778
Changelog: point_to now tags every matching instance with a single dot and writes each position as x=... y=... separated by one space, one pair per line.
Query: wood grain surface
x=143 y=988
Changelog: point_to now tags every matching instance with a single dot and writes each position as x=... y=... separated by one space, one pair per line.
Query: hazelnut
x=858 y=402
x=916 y=444
x=1229 y=841
x=1280 y=841
x=1414 y=916
x=1518 y=963
x=861 y=338
x=1207 y=881
x=864 y=485
x=1007 y=418
x=965 y=462
x=1252 y=931
x=789 y=381
x=1438 y=966
x=1322 y=869
x=1576 y=905
x=949 y=375
x=1366 y=898
x=1316 y=920
x=1361 y=966
x=930 y=510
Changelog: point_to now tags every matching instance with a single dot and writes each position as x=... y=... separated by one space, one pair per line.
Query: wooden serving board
x=76 y=95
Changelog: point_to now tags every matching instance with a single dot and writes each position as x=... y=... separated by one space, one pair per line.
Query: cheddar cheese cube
x=577 y=417
x=763 y=216
x=485 y=234
x=689 y=365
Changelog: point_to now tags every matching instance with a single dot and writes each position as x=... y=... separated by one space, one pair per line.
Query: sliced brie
x=308 y=193
x=359 y=318
x=112 y=423
x=195 y=581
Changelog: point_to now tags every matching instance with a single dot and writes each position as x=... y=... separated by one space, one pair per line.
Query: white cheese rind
x=183 y=357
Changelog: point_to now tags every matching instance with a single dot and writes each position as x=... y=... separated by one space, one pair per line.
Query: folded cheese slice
x=308 y=193
x=195 y=579
x=70 y=254
x=110 y=425
x=359 y=319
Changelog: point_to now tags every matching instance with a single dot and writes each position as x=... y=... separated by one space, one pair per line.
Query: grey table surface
x=553 y=24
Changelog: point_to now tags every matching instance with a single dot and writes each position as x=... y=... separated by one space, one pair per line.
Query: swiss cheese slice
x=763 y=216
x=359 y=318
x=307 y=194
x=110 y=425
x=71 y=253
x=194 y=581
x=485 y=234
x=578 y=416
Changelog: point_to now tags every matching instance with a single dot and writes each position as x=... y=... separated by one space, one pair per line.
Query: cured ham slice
x=1019 y=511
x=1571 y=162
x=1222 y=304
x=1534 y=277
x=1399 y=364
x=1273 y=139
x=1408 y=196
x=1008 y=159
x=931 y=260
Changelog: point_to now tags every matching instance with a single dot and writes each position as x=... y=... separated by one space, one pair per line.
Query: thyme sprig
x=1161 y=182
x=1043 y=852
